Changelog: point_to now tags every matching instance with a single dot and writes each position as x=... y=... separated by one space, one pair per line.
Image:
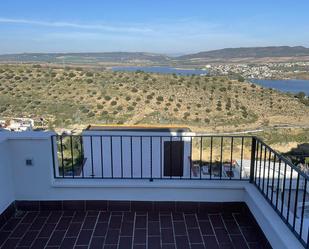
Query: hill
x=249 y=53
x=67 y=97
x=85 y=58
x=253 y=54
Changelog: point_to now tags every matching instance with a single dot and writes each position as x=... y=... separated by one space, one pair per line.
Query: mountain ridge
x=127 y=57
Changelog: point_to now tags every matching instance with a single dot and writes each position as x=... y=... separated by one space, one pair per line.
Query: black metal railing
x=283 y=185
x=199 y=157
x=151 y=157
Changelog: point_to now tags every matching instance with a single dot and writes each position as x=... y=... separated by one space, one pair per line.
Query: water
x=163 y=70
x=292 y=86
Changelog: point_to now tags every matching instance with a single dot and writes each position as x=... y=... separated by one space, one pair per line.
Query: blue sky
x=164 y=26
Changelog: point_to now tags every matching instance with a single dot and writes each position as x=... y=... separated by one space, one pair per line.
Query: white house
x=21 y=124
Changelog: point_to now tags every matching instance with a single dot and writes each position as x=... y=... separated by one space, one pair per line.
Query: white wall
x=36 y=182
x=6 y=180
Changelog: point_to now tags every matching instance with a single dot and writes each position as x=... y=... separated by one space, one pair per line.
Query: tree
x=301 y=95
x=241 y=79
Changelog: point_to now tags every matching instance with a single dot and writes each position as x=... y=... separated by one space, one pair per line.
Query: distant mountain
x=117 y=57
x=251 y=52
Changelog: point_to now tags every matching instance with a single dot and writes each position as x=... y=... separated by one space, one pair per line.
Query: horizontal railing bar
x=174 y=136
x=213 y=178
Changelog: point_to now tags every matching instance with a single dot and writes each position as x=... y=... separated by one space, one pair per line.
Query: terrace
x=148 y=188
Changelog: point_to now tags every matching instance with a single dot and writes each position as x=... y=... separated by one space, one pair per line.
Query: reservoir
x=163 y=70
x=292 y=86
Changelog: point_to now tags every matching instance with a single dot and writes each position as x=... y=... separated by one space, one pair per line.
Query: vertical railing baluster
x=72 y=156
x=283 y=188
x=82 y=155
x=112 y=157
x=241 y=156
x=221 y=157
x=121 y=156
x=295 y=201
x=289 y=197
x=191 y=158
x=161 y=158
x=151 y=177
x=210 y=166
x=278 y=183
x=232 y=144
x=260 y=167
x=131 y=156
x=273 y=180
x=303 y=209
x=256 y=161
x=171 y=154
x=62 y=162
x=182 y=155
x=263 y=182
x=253 y=159
x=102 y=169
x=201 y=156
x=141 y=148
x=268 y=173
x=91 y=149
x=53 y=155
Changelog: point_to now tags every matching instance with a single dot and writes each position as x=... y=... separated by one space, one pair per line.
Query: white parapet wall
x=7 y=195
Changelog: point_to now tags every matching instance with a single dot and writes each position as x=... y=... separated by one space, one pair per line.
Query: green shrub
x=160 y=98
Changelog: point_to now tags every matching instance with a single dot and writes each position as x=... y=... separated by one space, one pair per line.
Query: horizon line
x=157 y=53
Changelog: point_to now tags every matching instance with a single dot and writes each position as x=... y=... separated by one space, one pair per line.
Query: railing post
x=253 y=151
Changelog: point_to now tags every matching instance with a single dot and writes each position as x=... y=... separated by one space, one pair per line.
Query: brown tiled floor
x=131 y=230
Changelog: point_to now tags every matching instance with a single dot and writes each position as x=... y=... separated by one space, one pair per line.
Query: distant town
x=259 y=71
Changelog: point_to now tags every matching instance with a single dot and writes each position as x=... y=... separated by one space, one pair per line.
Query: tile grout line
x=213 y=229
x=173 y=227
x=229 y=235
x=54 y=229
x=30 y=230
x=241 y=231
x=198 y=223
x=186 y=228
x=147 y=242
x=77 y=236
x=133 y=235
x=37 y=237
x=91 y=237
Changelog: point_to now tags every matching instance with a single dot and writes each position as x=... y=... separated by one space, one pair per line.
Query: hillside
x=251 y=52
x=78 y=97
x=85 y=58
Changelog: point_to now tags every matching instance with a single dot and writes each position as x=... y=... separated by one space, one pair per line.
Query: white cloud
x=100 y=27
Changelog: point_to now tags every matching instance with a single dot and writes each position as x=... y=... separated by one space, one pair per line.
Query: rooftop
x=148 y=190
x=138 y=128
x=216 y=226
